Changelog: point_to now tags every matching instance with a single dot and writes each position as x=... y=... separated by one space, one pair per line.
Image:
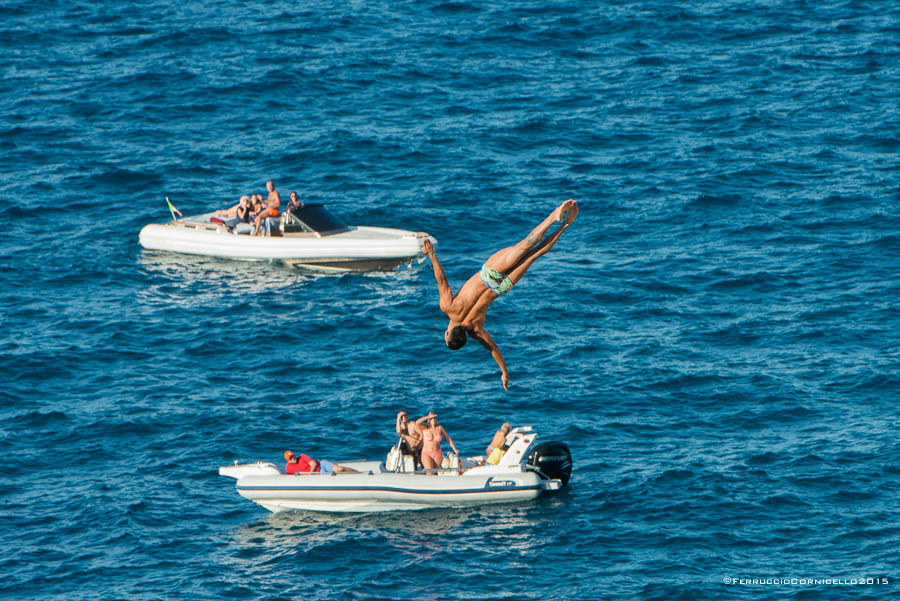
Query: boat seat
x=450 y=461
x=398 y=461
x=272 y=226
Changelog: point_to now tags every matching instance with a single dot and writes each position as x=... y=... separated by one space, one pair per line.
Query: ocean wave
x=712 y=337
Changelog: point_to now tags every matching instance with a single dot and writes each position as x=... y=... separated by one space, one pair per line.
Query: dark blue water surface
x=716 y=337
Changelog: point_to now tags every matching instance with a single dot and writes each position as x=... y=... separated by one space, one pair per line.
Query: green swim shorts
x=498 y=282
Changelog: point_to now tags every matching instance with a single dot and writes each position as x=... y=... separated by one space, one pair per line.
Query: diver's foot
x=560 y=211
x=571 y=212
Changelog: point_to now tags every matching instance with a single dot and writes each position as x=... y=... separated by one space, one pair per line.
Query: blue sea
x=716 y=336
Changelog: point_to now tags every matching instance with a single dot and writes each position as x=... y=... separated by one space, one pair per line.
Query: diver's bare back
x=471 y=303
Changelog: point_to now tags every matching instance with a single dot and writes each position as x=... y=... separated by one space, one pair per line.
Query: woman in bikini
x=432 y=434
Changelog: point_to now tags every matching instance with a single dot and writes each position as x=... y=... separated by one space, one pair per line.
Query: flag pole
x=172 y=209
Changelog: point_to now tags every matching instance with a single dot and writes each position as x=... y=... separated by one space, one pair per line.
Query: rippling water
x=716 y=337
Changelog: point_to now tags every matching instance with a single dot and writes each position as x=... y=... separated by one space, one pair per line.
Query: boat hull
x=358 y=249
x=373 y=492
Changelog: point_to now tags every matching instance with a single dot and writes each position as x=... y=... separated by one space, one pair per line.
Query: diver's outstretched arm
x=444 y=289
x=485 y=339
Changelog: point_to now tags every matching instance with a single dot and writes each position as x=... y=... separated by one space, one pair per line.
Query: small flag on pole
x=172 y=209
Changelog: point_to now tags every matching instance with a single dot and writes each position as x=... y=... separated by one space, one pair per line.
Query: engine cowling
x=552 y=459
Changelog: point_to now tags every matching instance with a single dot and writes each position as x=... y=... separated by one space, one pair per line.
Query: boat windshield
x=317 y=218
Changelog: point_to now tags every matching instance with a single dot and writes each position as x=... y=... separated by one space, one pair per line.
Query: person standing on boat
x=304 y=464
x=411 y=434
x=432 y=434
x=272 y=210
x=467 y=309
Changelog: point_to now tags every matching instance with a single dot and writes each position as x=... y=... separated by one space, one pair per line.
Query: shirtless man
x=272 y=210
x=467 y=310
x=411 y=435
x=499 y=438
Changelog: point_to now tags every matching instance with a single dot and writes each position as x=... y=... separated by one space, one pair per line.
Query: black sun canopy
x=314 y=217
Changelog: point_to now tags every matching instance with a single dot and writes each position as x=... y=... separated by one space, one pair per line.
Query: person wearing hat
x=304 y=464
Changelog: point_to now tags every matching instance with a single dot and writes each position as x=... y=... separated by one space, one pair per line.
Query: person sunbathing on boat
x=467 y=309
x=412 y=436
x=239 y=213
x=272 y=209
x=232 y=211
x=432 y=434
x=304 y=464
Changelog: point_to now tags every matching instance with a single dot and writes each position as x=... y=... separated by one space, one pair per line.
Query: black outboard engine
x=552 y=459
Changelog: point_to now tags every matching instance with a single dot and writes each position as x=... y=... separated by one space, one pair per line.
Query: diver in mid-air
x=467 y=310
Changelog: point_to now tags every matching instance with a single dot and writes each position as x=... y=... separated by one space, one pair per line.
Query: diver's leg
x=519 y=270
x=506 y=259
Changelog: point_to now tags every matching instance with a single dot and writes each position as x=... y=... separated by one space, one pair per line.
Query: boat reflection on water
x=197 y=268
x=188 y=281
x=193 y=280
x=423 y=535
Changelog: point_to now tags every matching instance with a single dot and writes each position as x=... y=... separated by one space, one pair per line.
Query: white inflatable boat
x=310 y=237
x=524 y=472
